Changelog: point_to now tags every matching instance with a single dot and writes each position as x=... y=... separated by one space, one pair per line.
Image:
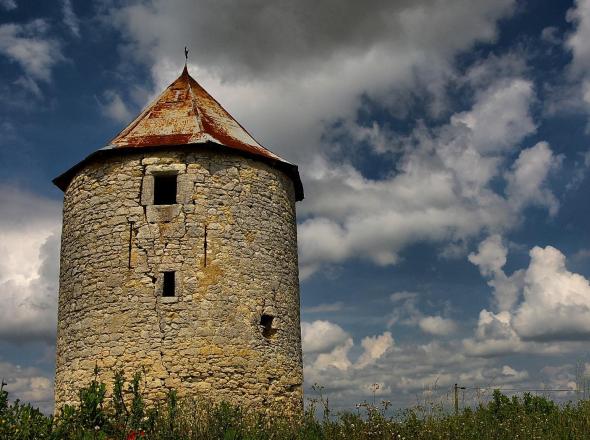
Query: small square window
x=164 y=189
x=168 y=286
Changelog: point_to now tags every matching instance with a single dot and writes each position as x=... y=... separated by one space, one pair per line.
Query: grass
x=124 y=416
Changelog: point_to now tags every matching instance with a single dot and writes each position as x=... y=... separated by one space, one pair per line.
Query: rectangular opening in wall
x=168 y=284
x=164 y=189
x=266 y=323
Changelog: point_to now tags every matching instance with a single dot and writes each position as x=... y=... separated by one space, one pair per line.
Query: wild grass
x=125 y=416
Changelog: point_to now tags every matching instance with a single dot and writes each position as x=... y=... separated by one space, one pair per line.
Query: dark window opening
x=165 y=189
x=168 y=284
x=266 y=324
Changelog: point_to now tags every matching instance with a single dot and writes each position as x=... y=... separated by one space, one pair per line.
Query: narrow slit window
x=168 y=288
x=164 y=189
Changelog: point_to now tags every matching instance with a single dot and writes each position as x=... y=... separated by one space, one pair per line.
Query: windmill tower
x=179 y=259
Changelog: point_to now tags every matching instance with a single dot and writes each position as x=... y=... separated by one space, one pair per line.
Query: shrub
x=126 y=417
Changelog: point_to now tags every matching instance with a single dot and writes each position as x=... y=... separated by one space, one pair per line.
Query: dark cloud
x=29 y=243
x=257 y=37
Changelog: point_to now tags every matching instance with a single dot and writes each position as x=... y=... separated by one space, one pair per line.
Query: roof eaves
x=63 y=180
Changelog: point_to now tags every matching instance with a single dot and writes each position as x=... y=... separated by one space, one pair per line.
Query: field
x=124 y=416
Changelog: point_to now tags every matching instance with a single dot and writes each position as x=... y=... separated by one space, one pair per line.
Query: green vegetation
x=125 y=416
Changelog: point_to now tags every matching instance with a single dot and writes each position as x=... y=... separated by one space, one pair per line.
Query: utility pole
x=457 y=388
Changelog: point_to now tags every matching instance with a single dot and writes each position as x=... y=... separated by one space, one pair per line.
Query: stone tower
x=179 y=259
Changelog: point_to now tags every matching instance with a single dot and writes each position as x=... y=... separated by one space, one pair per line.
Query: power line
x=519 y=389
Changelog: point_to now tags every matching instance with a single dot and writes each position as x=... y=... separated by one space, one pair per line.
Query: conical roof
x=184 y=115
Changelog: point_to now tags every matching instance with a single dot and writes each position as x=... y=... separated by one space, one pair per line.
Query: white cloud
x=556 y=302
x=31 y=47
x=255 y=66
x=30 y=85
x=325 y=308
x=579 y=16
x=494 y=336
x=491 y=256
x=29 y=242
x=327 y=345
x=262 y=38
x=581 y=166
x=500 y=118
x=437 y=325
x=337 y=358
x=490 y=259
x=405 y=309
x=526 y=180
x=114 y=107
x=538 y=305
x=406 y=312
x=441 y=191
x=374 y=348
x=402 y=296
x=321 y=336
x=70 y=17
x=403 y=372
x=277 y=78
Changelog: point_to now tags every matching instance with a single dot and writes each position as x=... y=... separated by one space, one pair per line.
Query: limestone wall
x=207 y=339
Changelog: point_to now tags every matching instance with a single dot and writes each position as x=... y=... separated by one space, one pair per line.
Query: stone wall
x=230 y=238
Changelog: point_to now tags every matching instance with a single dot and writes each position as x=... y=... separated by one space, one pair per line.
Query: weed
x=126 y=417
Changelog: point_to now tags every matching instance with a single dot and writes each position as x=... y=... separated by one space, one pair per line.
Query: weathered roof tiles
x=185 y=114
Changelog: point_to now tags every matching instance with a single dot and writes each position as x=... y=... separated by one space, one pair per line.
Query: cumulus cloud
x=403 y=372
x=542 y=303
x=321 y=336
x=500 y=118
x=494 y=336
x=441 y=191
x=329 y=345
x=31 y=46
x=266 y=38
x=406 y=312
x=556 y=302
x=29 y=243
x=491 y=258
x=579 y=16
x=28 y=384
x=273 y=65
x=437 y=325
x=336 y=358
x=374 y=348
x=427 y=371
x=526 y=180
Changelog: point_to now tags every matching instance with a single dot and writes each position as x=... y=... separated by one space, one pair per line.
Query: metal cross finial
x=186 y=54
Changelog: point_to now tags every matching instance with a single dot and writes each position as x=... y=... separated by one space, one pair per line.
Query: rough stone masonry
x=201 y=295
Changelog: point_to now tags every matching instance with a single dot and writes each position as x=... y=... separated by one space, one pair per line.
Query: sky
x=444 y=148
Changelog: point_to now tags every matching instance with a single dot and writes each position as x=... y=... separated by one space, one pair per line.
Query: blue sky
x=444 y=149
